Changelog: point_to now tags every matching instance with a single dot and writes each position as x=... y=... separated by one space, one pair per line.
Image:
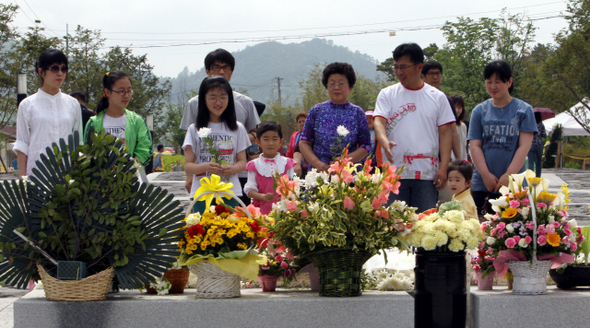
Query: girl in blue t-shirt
x=500 y=134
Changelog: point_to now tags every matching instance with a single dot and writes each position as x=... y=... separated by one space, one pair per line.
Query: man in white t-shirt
x=412 y=123
x=221 y=62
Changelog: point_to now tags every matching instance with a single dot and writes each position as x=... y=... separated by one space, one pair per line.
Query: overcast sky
x=179 y=33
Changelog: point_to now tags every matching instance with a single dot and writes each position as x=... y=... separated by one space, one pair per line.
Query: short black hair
x=431 y=64
x=268 y=126
x=160 y=147
x=502 y=71
x=221 y=56
x=79 y=95
x=339 y=68
x=464 y=167
x=49 y=57
x=412 y=50
x=458 y=100
x=538 y=117
x=229 y=114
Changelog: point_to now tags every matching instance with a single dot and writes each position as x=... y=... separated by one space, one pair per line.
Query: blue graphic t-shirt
x=499 y=130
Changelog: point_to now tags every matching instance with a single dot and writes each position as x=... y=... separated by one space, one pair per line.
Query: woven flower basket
x=340 y=271
x=214 y=282
x=529 y=278
x=92 y=288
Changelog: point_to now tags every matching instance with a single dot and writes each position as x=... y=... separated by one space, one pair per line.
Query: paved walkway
x=578 y=182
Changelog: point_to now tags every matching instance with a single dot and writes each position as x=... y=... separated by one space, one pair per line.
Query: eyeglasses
x=340 y=85
x=217 y=68
x=403 y=67
x=56 y=68
x=123 y=93
x=437 y=73
x=220 y=99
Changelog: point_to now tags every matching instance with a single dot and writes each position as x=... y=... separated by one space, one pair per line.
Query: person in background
x=47 y=115
x=262 y=171
x=500 y=135
x=178 y=167
x=113 y=116
x=413 y=125
x=461 y=126
x=86 y=113
x=320 y=129
x=158 y=165
x=536 y=153
x=295 y=136
x=221 y=63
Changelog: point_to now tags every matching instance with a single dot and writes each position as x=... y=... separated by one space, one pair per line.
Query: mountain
x=258 y=66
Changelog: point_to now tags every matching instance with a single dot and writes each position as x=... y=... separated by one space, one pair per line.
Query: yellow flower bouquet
x=221 y=236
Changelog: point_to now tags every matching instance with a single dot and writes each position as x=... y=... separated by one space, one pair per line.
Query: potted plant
x=569 y=276
x=218 y=245
x=441 y=239
x=338 y=220
x=84 y=204
x=530 y=232
x=279 y=264
x=483 y=267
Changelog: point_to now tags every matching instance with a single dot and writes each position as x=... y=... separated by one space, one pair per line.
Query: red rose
x=197 y=229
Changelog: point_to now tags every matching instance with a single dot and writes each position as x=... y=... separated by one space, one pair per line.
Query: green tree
x=85 y=64
x=471 y=45
x=569 y=65
x=8 y=69
x=167 y=126
x=387 y=67
x=312 y=89
x=365 y=91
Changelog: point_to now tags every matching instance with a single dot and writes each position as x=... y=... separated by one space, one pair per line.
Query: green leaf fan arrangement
x=85 y=204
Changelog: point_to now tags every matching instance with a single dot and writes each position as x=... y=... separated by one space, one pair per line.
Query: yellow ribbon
x=214 y=188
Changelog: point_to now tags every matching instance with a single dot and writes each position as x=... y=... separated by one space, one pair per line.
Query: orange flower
x=545 y=197
x=521 y=194
x=553 y=239
x=509 y=213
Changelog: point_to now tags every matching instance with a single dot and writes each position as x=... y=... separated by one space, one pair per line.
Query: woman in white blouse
x=46 y=116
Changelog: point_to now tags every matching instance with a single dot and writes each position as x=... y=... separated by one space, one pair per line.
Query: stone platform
x=558 y=308
x=284 y=308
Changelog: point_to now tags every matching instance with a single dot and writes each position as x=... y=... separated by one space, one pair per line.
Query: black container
x=440 y=298
x=571 y=277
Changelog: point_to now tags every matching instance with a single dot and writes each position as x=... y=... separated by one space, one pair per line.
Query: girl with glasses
x=46 y=116
x=113 y=116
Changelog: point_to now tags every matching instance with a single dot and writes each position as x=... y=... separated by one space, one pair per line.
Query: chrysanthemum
x=553 y=239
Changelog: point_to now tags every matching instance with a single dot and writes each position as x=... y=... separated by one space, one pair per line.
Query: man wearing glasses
x=413 y=124
x=221 y=62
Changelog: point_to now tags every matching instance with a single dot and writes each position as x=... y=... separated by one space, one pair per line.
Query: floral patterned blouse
x=323 y=120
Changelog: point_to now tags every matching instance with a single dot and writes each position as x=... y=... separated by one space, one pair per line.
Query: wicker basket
x=214 y=282
x=92 y=288
x=340 y=271
x=529 y=278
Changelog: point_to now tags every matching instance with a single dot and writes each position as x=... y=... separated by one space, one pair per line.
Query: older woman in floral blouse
x=319 y=132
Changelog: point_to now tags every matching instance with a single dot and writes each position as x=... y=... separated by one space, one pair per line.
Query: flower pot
x=571 y=277
x=484 y=283
x=529 y=278
x=314 y=276
x=269 y=283
x=177 y=278
x=440 y=298
x=340 y=271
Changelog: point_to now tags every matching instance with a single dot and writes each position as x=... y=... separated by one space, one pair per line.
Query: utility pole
x=279 y=79
x=67 y=37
